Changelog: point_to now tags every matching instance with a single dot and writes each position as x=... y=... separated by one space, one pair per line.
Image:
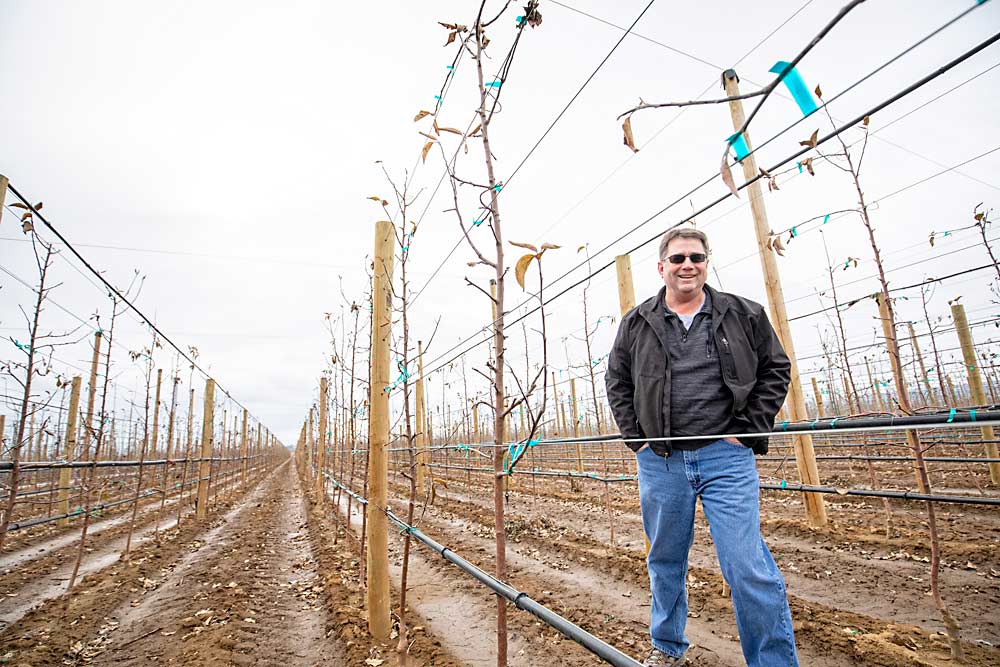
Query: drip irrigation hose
x=519 y=599
x=30 y=466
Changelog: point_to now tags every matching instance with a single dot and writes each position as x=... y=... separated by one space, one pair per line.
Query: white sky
x=226 y=150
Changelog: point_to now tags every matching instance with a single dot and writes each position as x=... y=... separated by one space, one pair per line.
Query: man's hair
x=682 y=233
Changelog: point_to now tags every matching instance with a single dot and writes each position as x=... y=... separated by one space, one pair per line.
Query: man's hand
x=645 y=446
x=734 y=441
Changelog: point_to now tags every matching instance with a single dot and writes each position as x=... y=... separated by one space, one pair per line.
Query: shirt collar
x=706 y=306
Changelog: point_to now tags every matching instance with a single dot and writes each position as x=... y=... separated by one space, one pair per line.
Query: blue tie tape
x=796 y=86
x=826 y=218
x=739 y=144
x=784 y=425
x=972 y=415
x=784 y=484
x=951 y=415
x=795 y=232
x=493 y=84
x=799 y=165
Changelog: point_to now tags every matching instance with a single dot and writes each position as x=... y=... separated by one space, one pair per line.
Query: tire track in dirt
x=71 y=535
x=252 y=596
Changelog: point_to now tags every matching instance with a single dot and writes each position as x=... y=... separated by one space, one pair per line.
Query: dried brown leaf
x=811 y=142
x=435 y=126
x=819 y=92
x=522 y=267
x=449 y=129
x=629 y=139
x=27 y=226
x=475 y=130
x=374 y=198
x=421 y=114
x=550 y=246
x=808 y=164
x=18 y=204
x=526 y=246
x=451 y=37
x=429 y=136
x=727 y=176
x=427 y=149
x=778 y=246
x=867 y=120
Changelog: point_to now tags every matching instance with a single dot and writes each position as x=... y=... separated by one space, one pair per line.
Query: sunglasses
x=695 y=257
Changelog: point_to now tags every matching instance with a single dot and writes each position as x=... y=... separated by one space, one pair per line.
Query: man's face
x=686 y=278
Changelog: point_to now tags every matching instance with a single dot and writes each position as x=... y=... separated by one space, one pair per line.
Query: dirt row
x=152 y=607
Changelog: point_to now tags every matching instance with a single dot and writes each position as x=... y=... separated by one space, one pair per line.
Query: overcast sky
x=225 y=150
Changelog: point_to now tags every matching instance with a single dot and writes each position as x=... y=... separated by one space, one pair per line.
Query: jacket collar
x=651 y=311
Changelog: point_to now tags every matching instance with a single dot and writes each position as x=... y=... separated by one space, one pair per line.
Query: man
x=692 y=361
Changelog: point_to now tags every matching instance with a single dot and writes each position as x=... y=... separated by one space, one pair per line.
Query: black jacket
x=754 y=368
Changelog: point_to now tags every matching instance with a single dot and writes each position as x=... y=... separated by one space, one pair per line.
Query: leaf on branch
x=522 y=267
x=421 y=114
x=374 y=198
x=454 y=27
x=550 y=246
x=450 y=129
x=819 y=92
x=629 y=139
x=26 y=226
x=764 y=172
x=583 y=247
x=727 y=175
x=475 y=131
x=38 y=206
x=812 y=141
x=429 y=136
x=427 y=149
x=526 y=246
x=451 y=37
x=867 y=119
x=931 y=239
x=808 y=164
x=471 y=263
x=19 y=205
x=435 y=126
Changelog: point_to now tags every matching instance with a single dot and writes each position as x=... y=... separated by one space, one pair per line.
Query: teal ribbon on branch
x=739 y=144
x=796 y=86
x=951 y=415
x=514 y=451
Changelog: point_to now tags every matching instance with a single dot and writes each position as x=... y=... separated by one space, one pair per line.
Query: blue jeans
x=724 y=474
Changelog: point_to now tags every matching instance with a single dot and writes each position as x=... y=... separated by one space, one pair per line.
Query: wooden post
x=3 y=193
x=3 y=418
x=923 y=369
x=379 y=624
x=819 y=398
x=324 y=388
x=975 y=382
x=311 y=446
x=207 y=440
x=156 y=412
x=555 y=405
x=576 y=424
x=243 y=451
x=421 y=410
x=626 y=289
x=805 y=456
x=876 y=393
x=69 y=446
x=89 y=424
x=475 y=421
